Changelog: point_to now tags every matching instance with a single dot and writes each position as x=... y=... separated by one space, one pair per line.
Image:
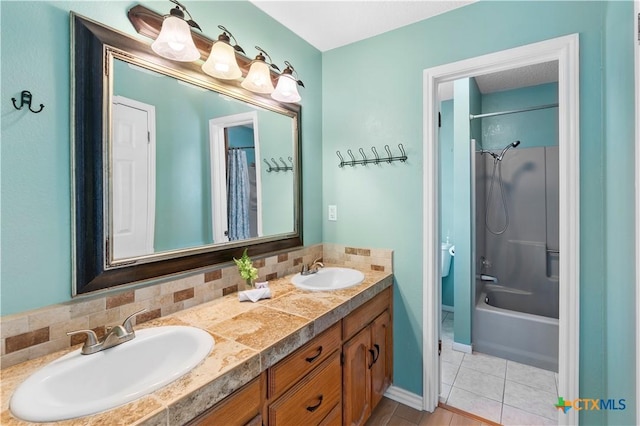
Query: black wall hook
x=390 y=157
x=277 y=168
x=25 y=99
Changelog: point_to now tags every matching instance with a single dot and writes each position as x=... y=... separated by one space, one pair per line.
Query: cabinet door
x=381 y=368
x=356 y=379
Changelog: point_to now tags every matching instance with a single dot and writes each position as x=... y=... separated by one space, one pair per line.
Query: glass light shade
x=221 y=62
x=175 y=42
x=286 y=89
x=258 y=79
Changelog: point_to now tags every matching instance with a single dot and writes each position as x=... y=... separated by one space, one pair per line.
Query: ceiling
x=333 y=23
x=515 y=78
x=328 y=24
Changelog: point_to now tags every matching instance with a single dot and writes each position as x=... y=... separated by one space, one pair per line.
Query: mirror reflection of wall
x=171 y=204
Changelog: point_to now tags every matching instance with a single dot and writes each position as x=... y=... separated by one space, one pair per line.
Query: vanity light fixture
x=258 y=79
x=174 y=41
x=287 y=87
x=222 y=62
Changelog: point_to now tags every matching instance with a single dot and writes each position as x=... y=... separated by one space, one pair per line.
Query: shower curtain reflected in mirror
x=238 y=193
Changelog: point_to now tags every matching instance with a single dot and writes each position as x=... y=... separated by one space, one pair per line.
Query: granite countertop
x=249 y=338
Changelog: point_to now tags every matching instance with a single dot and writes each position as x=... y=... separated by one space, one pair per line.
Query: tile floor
x=499 y=390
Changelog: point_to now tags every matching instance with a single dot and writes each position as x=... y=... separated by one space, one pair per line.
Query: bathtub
x=516 y=325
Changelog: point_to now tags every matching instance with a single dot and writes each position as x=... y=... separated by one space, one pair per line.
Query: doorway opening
x=235 y=177
x=564 y=51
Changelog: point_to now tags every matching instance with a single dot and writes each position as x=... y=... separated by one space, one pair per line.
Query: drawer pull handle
x=315 y=407
x=373 y=358
x=313 y=358
x=377 y=346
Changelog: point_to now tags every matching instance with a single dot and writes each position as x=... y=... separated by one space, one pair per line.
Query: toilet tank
x=447 y=253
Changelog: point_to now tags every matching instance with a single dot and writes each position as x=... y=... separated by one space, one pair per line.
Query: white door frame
x=565 y=51
x=217 y=127
x=636 y=32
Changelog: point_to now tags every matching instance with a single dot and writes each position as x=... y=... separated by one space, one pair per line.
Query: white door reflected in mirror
x=134 y=186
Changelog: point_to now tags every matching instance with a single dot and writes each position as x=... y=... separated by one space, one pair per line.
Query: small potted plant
x=247 y=271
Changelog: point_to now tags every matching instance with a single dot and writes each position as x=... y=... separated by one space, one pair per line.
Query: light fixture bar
x=148 y=23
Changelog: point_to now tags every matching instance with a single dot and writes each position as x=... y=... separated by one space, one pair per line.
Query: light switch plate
x=333 y=212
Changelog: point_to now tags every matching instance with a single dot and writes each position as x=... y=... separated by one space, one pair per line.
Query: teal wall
x=466 y=101
x=35 y=151
x=366 y=105
x=348 y=103
x=242 y=137
x=532 y=128
x=618 y=156
x=277 y=187
x=445 y=133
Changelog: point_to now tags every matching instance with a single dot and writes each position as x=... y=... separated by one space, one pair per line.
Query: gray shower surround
x=525 y=258
x=526 y=255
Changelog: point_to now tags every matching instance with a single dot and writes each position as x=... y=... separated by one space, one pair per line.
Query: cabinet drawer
x=284 y=374
x=311 y=400
x=334 y=418
x=240 y=408
x=365 y=314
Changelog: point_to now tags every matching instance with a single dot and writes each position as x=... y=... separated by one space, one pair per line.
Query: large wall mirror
x=173 y=170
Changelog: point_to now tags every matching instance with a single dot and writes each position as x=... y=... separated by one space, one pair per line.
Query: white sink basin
x=328 y=279
x=78 y=385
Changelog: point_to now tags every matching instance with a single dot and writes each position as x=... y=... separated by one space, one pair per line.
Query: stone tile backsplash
x=374 y=259
x=31 y=334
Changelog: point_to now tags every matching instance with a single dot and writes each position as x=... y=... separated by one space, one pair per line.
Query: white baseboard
x=460 y=347
x=404 y=397
x=447 y=308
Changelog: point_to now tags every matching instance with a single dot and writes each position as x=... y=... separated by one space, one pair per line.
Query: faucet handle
x=127 y=322
x=92 y=338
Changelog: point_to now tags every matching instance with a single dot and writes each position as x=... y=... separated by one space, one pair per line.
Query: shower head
x=506 y=148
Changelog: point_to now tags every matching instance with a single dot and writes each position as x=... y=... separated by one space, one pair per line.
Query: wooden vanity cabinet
x=335 y=379
x=368 y=362
x=306 y=386
x=241 y=408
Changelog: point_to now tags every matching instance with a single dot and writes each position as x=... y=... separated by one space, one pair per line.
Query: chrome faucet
x=114 y=336
x=312 y=268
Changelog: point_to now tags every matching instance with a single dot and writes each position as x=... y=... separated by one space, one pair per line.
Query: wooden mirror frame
x=90 y=43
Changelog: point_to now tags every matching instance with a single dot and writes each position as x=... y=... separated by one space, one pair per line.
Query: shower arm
x=493 y=154
x=499 y=157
